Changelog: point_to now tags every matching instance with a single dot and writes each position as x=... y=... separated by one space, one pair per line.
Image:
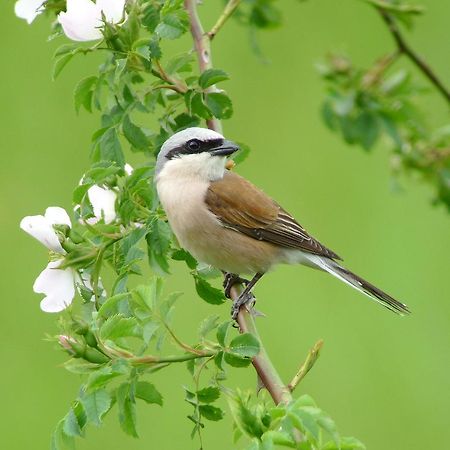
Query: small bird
x=225 y=221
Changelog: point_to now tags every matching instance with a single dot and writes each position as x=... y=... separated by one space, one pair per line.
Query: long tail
x=359 y=284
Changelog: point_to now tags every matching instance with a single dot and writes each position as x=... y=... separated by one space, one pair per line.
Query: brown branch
x=406 y=50
x=203 y=49
x=269 y=376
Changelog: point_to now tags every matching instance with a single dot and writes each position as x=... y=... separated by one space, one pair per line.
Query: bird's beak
x=226 y=149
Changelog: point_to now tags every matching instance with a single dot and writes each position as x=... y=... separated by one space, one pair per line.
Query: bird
x=226 y=222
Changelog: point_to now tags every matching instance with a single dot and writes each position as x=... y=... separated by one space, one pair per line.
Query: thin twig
x=307 y=365
x=406 y=50
x=203 y=50
x=226 y=14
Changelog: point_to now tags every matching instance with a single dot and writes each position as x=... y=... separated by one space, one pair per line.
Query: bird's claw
x=245 y=299
x=230 y=280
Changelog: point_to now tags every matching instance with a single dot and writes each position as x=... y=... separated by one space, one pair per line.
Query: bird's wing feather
x=241 y=206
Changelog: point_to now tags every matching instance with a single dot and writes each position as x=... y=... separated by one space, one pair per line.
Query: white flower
x=28 y=9
x=57 y=284
x=83 y=20
x=103 y=203
x=41 y=227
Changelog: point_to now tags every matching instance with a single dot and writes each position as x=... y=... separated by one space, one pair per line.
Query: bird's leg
x=230 y=280
x=245 y=297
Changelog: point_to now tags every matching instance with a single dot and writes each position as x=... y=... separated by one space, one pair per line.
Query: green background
x=383 y=378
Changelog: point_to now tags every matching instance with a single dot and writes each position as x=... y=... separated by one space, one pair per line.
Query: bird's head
x=199 y=151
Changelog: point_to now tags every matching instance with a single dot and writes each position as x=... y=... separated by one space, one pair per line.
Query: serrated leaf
x=158 y=245
x=71 y=425
x=211 y=412
x=110 y=147
x=173 y=25
x=183 y=255
x=118 y=326
x=219 y=104
x=96 y=404
x=60 y=63
x=135 y=136
x=245 y=344
x=208 y=394
x=207 y=292
x=208 y=324
x=83 y=93
x=212 y=76
x=345 y=443
x=60 y=440
x=146 y=391
x=112 y=305
x=127 y=409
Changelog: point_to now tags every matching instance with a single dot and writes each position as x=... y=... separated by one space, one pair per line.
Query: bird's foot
x=245 y=299
x=230 y=280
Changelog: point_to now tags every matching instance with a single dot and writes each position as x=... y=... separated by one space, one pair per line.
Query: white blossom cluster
x=58 y=284
x=83 y=20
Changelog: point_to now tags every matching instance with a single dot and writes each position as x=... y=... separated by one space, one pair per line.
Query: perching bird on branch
x=227 y=222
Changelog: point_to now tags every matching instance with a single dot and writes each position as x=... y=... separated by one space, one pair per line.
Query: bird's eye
x=193 y=145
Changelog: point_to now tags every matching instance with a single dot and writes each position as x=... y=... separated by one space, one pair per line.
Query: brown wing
x=241 y=206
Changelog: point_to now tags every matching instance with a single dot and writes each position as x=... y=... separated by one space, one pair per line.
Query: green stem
x=226 y=14
x=143 y=360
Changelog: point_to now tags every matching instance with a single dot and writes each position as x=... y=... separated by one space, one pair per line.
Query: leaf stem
x=226 y=14
x=143 y=360
x=406 y=50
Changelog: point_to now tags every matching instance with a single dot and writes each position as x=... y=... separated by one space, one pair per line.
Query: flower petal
x=128 y=169
x=57 y=216
x=112 y=9
x=103 y=203
x=42 y=230
x=81 y=21
x=28 y=9
x=57 y=285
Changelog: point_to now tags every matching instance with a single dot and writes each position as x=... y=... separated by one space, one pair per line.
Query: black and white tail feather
x=355 y=281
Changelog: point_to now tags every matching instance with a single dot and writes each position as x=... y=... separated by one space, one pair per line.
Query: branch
x=227 y=12
x=308 y=364
x=406 y=50
x=203 y=49
x=269 y=376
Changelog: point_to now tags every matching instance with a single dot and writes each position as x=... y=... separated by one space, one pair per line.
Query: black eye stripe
x=204 y=146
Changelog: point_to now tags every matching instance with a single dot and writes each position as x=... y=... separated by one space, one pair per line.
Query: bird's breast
x=200 y=232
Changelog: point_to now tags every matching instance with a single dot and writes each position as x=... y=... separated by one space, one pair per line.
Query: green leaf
x=110 y=148
x=346 y=443
x=96 y=404
x=60 y=440
x=135 y=136
x=245 y=344
x=208 y=325
x=103 y=376
x=60 y=63
x=146 y=391
x=173 y=25
x=242 y=153
x=222 y=332
x=66 y=48
x=212 y=76
x=114 y=305
x=235 y=360
x=211 y=412
x=183 y=255
x=208 y=394
x=83 y=93
x=158 y=245
x=368 y=129
x=154 y=48
x=219 y=104
x=127 y=409
x=118 y=326
x=207 y=292
x=72 y=426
